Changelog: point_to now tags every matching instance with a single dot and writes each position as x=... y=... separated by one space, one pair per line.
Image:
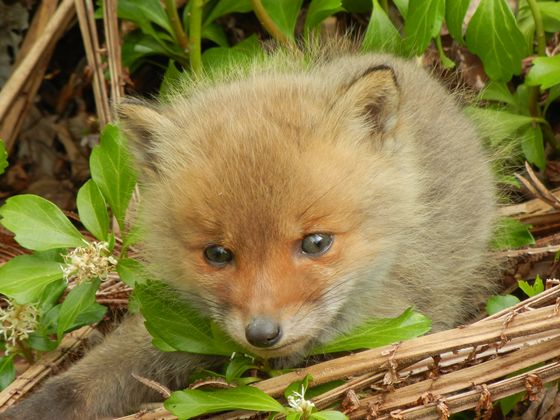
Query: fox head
x=274 y=202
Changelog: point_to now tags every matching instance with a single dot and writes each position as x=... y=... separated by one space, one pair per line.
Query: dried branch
x=84 y=9
x=54 y=29
x=113 y=42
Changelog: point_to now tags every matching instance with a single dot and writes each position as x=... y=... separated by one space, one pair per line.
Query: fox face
x=271 y=205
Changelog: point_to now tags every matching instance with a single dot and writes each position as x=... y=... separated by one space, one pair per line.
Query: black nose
x=263 y=332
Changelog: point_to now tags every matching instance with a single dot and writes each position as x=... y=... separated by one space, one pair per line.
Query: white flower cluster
x=17 y=322
x=298 y=402
x=93 y=260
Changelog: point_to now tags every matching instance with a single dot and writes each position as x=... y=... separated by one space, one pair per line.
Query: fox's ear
x=374 y=98
x=141 y=122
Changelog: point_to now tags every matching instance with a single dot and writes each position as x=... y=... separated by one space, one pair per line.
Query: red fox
x=290 y=200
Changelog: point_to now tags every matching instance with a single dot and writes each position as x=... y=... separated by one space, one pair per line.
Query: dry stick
x=84 y=9
x=17 y=80
x=43 y=367
x=470 y=399
x=12 y=122
x=113 y=41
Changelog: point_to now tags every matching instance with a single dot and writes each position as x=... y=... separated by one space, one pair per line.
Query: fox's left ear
x=373 y=97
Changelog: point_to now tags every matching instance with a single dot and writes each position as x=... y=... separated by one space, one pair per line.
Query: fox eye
x=217 y=255
x=316 y=243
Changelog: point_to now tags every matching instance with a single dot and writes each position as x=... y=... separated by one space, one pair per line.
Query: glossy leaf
x=379 y=332
x=496 y=304
x=319 y=10
x=423 y=20
x=532 y=289
x=111 y=169
x=237 y=367
x=78 y=300
x=511 y=233
x=545 y=72
x=381 y=34
x=7 y=371
x=494 y=36
x=550 y=12
x=284 y=13
x=193 y=402
x=455 y=11
x=499 y=92
x=24 y=277
x=93 y=210
x=532 y=144
x=225 y=7
x=175 y=324
x=144 y=13
x=39 y=224
x=131 y=271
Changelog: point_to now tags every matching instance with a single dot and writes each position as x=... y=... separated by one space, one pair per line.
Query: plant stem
x=195 y=28
x=534 y=91
x=180 y=36
x=268 y=23
x=539 y=27
x=25 y=351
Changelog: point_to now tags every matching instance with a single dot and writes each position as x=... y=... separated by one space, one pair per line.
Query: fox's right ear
x=141 y=122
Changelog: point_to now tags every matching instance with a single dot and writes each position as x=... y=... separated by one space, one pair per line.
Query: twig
x=113 y=41
x=56 y=26
x=84 y=9
x=161 y=389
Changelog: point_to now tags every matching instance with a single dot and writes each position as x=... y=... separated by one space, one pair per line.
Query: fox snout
x=263 y=332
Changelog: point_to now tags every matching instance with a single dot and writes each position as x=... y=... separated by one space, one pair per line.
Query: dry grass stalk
x=113 y=41
x=84 y=9
x=17 y=81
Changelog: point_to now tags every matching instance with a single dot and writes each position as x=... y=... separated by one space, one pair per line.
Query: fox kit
x=290 y=201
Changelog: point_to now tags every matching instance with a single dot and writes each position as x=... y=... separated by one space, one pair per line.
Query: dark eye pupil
x=316 y=243
x=218 y=255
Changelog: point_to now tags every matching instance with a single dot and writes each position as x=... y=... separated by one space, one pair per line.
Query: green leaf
x=423 y=20
x=319 y=10
x=553 y=94
x=138 y=46
x=550 y=12
x=381 y=34
x=171 y=77
x=237 y=367
x=144 y=13
x=218 y=58
x=379 y=332
x=284 y=13
x=494 y=36
x=80 y=298
x=7 y=371
x=534 y=289
x=216 y=34
x=545 y=72
x=131 y=271
x=41 y=342
x=497 y=303
x=511 y=233
x=24 y=277
x=455 y=11
x=402 y=5
x=174 y=323
x=298 y=386
x=111 y=169
x=3 y=157
x=328 y=415
x=93 y=210
x=39 y=224
x=193 y=402
x=225 y=7
x=496 y=124
x=91 y=315
x=508 y=403
x=499 y=92
x=532 y=145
